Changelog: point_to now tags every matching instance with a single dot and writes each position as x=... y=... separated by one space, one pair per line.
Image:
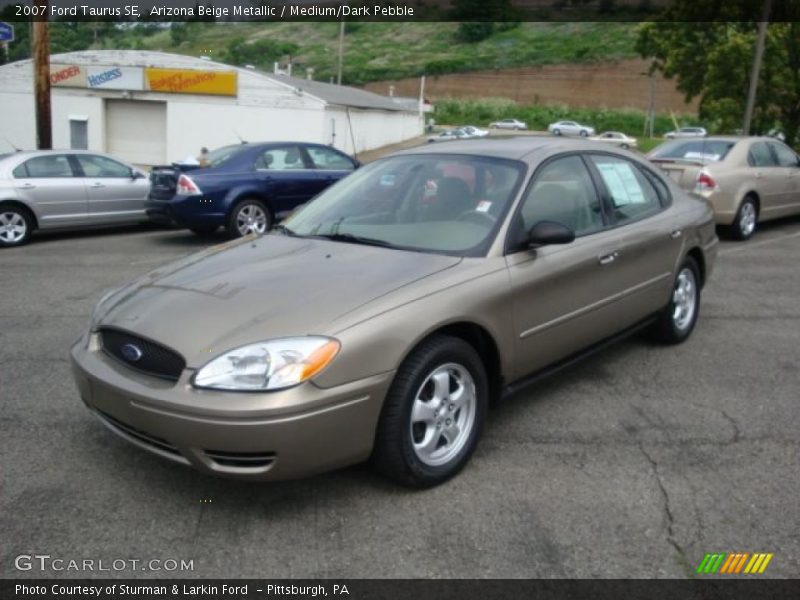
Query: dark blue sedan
x=244 y=187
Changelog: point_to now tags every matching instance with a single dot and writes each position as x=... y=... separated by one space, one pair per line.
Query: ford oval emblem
x=131 y=353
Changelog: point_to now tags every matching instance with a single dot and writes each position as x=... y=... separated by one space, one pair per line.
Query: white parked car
x=570 y=128
x=508 y=124
x=449 y=135
x=686 y=132
x=615 y=138
x=473 y=131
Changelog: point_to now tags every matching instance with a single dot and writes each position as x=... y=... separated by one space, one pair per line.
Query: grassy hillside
x=376 y=51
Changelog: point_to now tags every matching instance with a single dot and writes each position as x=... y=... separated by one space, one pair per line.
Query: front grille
x=242 y=460
x=145 y=438
x=148 y=357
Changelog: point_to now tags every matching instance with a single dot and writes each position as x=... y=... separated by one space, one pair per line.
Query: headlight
x=271 y=365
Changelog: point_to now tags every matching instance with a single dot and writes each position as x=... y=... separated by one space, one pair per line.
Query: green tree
x=712 y=61
x=261 y=53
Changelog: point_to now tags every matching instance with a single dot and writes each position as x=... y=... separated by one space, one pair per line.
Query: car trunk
x=681 y=171
x=164 y=180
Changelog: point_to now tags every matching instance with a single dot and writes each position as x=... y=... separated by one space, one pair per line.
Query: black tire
x=20 y=224
x=556 y=132
x=740 y=228
x=394 y=455
x=669 y=329
x=231 y=224
x=584 y=133
x=624 y=146
x=204 y=229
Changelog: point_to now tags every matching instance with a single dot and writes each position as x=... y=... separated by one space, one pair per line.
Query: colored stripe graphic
x=733 y=563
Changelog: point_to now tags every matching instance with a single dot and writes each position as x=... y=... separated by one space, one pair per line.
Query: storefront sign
x=115 y=78
x=67 y=76
x=182 y=81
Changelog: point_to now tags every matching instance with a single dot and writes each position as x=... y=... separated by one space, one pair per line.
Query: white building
x=153 y=108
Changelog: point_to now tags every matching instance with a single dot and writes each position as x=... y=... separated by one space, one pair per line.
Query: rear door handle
x=607 y=259
x=98 y=185
x=676 y=234
x=27 y=186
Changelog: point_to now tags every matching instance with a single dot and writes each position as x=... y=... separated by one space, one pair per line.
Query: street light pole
x=341 y=53
x=751 y=92
x=41 y=73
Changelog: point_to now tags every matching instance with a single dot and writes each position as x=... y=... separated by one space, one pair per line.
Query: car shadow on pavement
x=41 y=237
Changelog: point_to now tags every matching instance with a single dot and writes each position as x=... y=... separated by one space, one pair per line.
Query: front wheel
x=16 y=226
x=249 y=216
x=676 y=322
x=746 y=219
x=584 y=133
x=433 y=414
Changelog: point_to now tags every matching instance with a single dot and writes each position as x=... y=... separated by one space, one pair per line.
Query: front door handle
x=98 y=185
x=607 y=259
x=27 y=186
x=676 y=234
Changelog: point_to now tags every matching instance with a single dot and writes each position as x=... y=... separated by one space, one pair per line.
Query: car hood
x=260 y=288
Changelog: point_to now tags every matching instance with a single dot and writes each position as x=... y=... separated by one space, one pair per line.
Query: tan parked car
x=747 y=180
x=380 y=319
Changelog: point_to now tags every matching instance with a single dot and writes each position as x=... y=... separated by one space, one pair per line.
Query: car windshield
x=222 y=155
x=705 y=150
x=437 y=203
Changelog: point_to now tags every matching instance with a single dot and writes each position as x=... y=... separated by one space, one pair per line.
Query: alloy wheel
x=12 y=227
x=684 y=299
x=443 y=414
x=251 y=218
x=747 y=219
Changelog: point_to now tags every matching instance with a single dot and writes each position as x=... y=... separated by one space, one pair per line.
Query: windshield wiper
x=353 y=239
x=284 y=230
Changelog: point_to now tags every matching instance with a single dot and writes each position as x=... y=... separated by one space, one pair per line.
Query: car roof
x=527 y=148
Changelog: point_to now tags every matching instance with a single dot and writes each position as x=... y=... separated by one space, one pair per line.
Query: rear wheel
x=16 y=225
x=744 y=225
x=433 y=414
x=248 y=216
x=676 y=322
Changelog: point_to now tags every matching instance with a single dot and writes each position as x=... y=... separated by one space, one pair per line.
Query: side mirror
x=546 y=233
x=136 y=174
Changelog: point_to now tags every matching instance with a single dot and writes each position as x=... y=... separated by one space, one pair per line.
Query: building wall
x=370 y=128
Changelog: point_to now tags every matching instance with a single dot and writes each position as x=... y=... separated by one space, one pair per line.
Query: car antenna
x=241 y=141
x=12 y=145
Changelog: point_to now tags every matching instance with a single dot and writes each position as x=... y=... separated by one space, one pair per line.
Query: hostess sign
x=170 y=81
x=115 y=78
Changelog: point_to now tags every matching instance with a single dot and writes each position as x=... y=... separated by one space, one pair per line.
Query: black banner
x=415 y=589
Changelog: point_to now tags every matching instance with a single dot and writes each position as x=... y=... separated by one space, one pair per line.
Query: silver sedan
x=55 y=189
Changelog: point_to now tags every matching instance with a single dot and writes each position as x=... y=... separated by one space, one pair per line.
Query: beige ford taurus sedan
x=747 y=180
x=380 y=320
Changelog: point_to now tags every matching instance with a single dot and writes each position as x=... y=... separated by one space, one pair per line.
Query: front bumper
x=258 y=436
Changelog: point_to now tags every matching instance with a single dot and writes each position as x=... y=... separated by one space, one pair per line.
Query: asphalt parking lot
x=632 y=464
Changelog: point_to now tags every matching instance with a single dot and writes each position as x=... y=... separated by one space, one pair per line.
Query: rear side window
x=786 y=158
x=56 y=165
x=631 y=193
x=284 y=158
x=760 y=156
x=705 y=150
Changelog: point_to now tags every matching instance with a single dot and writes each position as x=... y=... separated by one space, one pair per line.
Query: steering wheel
x=479 y=218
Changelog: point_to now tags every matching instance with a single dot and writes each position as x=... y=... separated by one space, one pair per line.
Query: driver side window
x=563 y=192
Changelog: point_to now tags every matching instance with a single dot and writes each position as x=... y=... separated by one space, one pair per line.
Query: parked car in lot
x=59 y=189
x=448 y=136
x=508 y=124
x=686 y=132
x=380 y=320
x=615 y=138
x=246 y=187
x=747 y=179
x=570 y=128
x=473 y=131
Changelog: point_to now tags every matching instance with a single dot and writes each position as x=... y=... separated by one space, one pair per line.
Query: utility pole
x=341 y=53
x=41 y=76
x=751 y=92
